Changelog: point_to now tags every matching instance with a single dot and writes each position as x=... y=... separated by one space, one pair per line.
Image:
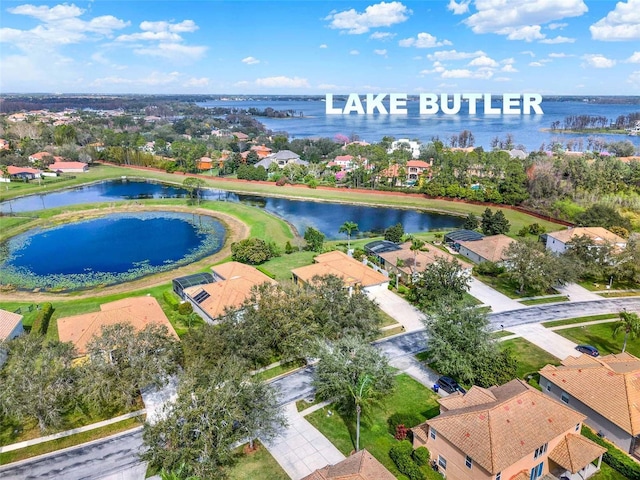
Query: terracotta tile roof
x=492 y=248
x=574 y=452
x=418 y=164
x=13 y=170
x=475 y=396
x=422 y=259
x=139 y=311
x=351 y=271
x=359 y=466
x=498 y=433
x=8 y=322
x=232 y=291
x=67 y=165
x=598 y=234
x=585 y=378
x=40 y=155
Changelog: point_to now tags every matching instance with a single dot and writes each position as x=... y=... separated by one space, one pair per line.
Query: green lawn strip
x=391 y=331
x=540 y=301
x=281 y=266
x=531 y=358
x=304 y=403
x=607 y=473
x=501 y=333
x=620 y=294
x=501 y=284
x=588 y=318
x=256 y=464
x=387 y=319
x=601 y=336
x=597 y=285
x=280 y=369
x=409 y=398
x=69 y=441
x=422 y=356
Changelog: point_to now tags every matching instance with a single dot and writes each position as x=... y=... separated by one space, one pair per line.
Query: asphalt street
x=104 y=457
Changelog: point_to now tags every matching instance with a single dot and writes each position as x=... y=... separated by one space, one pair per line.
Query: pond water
x=323 y=216
x=107 y=250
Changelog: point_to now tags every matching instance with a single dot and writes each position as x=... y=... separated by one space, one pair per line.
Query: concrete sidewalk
x=576 y=293
x=551 y=342
x=398 y=308
x=498 y=302
x=301 y=448
x=418 y=371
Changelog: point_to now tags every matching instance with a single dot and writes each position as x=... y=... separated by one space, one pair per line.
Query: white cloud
x=458 y=8
x=154 y=79
x=528 y=33
x=423 y=40
x=47 y=14
x=454 y=55
x=250 y=60
x=536 y=64
x=634 y=79
x=196 y=82
x=382 y=52
x=557 y=26
x=382 y=35
x=502 y=79
x=529 y=52
x=174 y=51
x=483 y=61
x=493 y=17
x=508 y=68
x=354 y=52
x=621 y=23
x=635 y=58
x=324 y=45
x=560 y=55
x=282 y=82
x=182 y=27
x=165 y=36
x=557 y=40
x=379 y=15
x=466 y=73
x=598 y=61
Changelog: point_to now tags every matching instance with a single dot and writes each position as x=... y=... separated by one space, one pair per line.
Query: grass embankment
x=601 y=336
x=409 y=398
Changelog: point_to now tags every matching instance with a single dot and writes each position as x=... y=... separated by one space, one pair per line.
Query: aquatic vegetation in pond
x=112 y=249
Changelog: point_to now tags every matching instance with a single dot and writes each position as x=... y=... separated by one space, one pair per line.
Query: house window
x=536 y=472
x=548 y=387
x=468 y=462
x=577 y=427
x=432 y=433
x=442 y=462
x=499 y=476
x=540 y=450
x=564 y=397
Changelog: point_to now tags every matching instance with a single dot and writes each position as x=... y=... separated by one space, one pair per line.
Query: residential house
x=23 y=173
x=10 y=328
x=605 y=389
x=233 y=282
x=407 y=263
x=282 y=159
x=353 y=273
x=557 y=241
x=453 y=238
x=4 y=144
x=359 y=466
x=139 y=311
x=486 y=249
x=413 y=170
x=507 y=432
x=411 y=145
x=44 y=158
x=261 y=150
x=240 y=136
x=204 y=163
x=69 y=167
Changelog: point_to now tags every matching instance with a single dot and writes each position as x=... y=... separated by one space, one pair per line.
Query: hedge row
x=41 y=322
x=171 y=299
x=401 y=454
x=266 y=272
x=614 y=457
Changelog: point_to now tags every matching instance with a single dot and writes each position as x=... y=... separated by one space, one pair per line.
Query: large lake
x=526 y=129
x=107 y=250
x=326 y=217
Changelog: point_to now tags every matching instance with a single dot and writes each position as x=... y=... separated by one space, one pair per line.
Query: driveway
x=301 y=449
x=576 y=293
x=498 y=302
x=546 y=339
x=397 y=307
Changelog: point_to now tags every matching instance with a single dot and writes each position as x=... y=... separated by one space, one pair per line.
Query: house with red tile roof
x=557 y=241
x=487 y=249
x=204 y=163
x=413 y=170
x=69 y=167
x=359 y=466
x=23 y=172
x=44 y=156
x=261 y=150
x=507 y=432
x=605 y=389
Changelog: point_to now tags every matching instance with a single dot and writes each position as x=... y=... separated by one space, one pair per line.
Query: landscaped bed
x=410 y=398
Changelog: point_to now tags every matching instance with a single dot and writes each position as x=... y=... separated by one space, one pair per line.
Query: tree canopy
x=443 y=278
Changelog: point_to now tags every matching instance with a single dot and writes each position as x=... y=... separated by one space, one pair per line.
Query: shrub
x=282 y=181
x=409 y=420
x=313 y=183
x=185 y=308
x=288 y=248
x=171 y=299
x=266 y=272
x=535 y=229
x=489 y=269
x=523 y=232
x=253 y=251
x=400 y=453
x=614 y=457
x=421 y=456
x=401 y=432
x=41 y=322
x=402 y=290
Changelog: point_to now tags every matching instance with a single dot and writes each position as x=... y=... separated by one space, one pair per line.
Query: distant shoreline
x=589 y=131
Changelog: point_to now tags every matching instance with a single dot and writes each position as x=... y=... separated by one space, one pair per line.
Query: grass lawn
x=540 y=301
x=69 y=441
x=258 y=464
x=500 y=333
x=600 y=336
x=391 y=331
x=631 y=293
x=596 y=286
x=409 y=397
x=281 y=266
x=502 y=284
x=589 y=318
x=280 y=369
x=531 y=358
x=607 y=473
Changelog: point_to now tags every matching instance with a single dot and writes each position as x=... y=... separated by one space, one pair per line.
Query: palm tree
x=348 y=228
x=361 y=394
x=630 y=324
x=416 y=244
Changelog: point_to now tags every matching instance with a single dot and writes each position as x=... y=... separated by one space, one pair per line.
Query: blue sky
x=300 y=47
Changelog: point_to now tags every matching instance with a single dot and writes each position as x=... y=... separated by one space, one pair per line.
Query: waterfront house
x=282 y=159
x=410 y=145
x=359 y=466
x=23 y=173
x=69 y=167
x=413 y=170
x=261 y=150
x=44 y=158
x=204 y=163
x=604 y=389
x=138 y=311
x=486 y=249
x=557 y=241
x=507 y=432
x=10 y=328
x=353 y=273
x=232 y=285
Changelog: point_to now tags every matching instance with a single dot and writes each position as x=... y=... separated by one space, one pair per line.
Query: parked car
x=588 y=349
x=449 y=385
